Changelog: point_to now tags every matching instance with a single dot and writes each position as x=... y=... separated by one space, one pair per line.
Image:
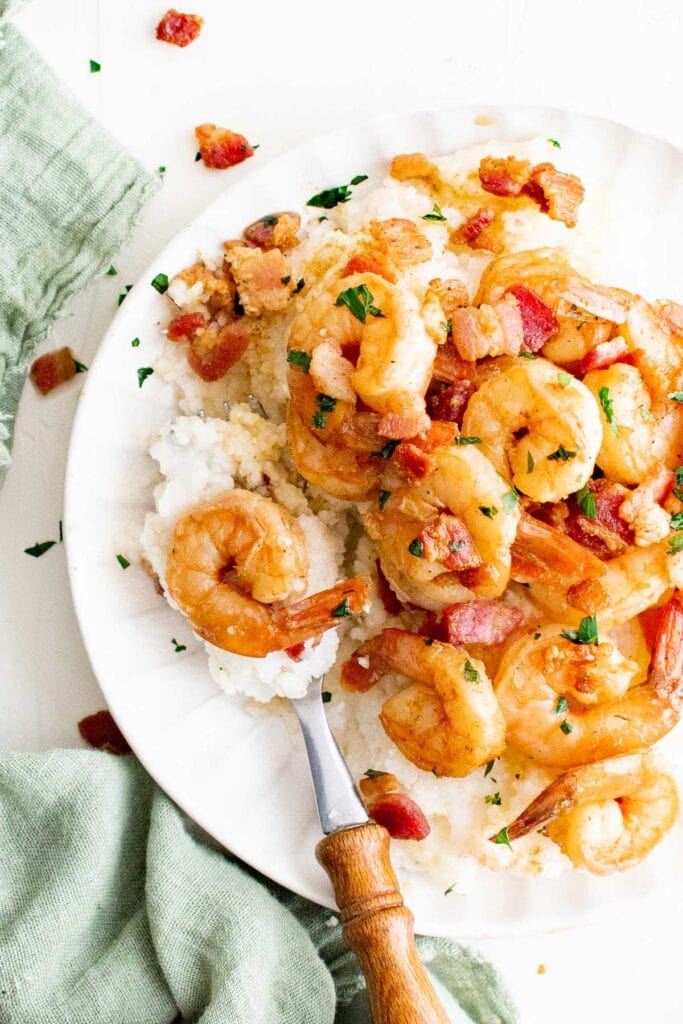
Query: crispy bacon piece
x=392 y=605
x=275 y=231
x=213 y=353
x=479 y=622
x=218 y=287
x=478 y=232
x=489 y=330
x=504 y=177
x=588 y=596
x=447 y=540
x=389 y=804
x=451 y=293
x=185 y=326
x=411 y=460
x=402 y=425
x=263 y=279
x=558 y=194
x=450 y=404
x=651 y=492
x=179 y=29
x=539 y=323
x=360 y=264
x=605 y=354
x=220 y=148
x=401 y=241
x=436 y=436
x=101 y=732
x=53 y=369
x=411 y=165
x=607 y=535
x=546 y=545
x=296 y=651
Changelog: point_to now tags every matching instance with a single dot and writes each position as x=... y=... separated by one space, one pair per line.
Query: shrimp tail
x=321 y=611
x=666 y=673
x=560 y=796
x=554 y=550
x=392 y=650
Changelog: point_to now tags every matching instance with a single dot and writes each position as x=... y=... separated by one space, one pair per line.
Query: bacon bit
x=410 y=459
x=451 y=293
x=479 y=576
x=185 y=326
x=449 y=367
x=360 y=264
x=275 y=231
x=477 y=233
x=411 y=165
x=480 y=622
x=296 y=651
x=504 y=177
x=263 y=279
x=554 y=550
x=399 y=425
x=179 y=29
x=607 y=535
x=101 y=732
x=588 y=596
x=436 y=436
x=53 y=369
x=450 y=404
x=212 y=354
x=220 y=148
x=493 y=330
x=401 y=241
x=392 y=605
x=331 y=372
x=539 y=323
x=218 y=287
x=389 y=804
x=559 y=195
x=447 y=540
x=605 y=354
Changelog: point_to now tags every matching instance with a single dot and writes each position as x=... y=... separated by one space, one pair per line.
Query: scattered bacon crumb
x=451 y=293
x=411 y=165
x=607 y=535
x=401 y=241
x=389 y=804
x=220 y=148
x=392 y=605
x=504 y=177
x=360 y=264
x=449 y=366
x=185 y=326
x=539 y=323
x=588 y=596
x=275 y=231
x=477 y=232
x=605 y=354
x=558 y=194
x=263 y=278
x=447 y=540
x=479 y=622
x=179 y=29
x=295 y=651
x=53 y=369
x=398 y=425
x=436 y=436
x=411 y=460
x=101 y=732
x=488 y=330
x=450 y=404
x=213 y=353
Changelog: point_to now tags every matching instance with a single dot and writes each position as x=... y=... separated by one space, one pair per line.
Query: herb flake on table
x=40 y=548
x=95 y=66
x=554 y=143
x=80 y=367
x=112 y=272
x=450 y=889
x=135 y=343
x=326 y=696
x=178 y=648
x=373 y=773
x=123 y=561
x=123 y=294
x=143 y=373
x=587 y=633
x=160 y=283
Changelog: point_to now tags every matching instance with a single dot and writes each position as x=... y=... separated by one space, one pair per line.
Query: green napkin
x=69 y=198
x=113 y=909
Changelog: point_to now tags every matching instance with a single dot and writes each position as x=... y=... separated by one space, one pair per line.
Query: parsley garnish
x=123 y=562
x=489 y=767
x=471 y=674
x=342 y=610
x=372 y=773
x=178 y=648
x=358 y=179
x=80 y=367
x=529 y=462
x=161 y=169
x=415 y=547
x=143 y=373
x=586 y=502
x=95 y=66
x=135 y=343
x=197 y=157
x=495 y=799
x=488 y=510
x=331 y=197
x=112 y=272
x=646 y=414
x=677 y=521
x=675 y=396
x=39 y=549
x=124 y=293
x=326 y=696
x=528 y=355
x=286 y=280
x=554 y=142
x=386 y=452
x=383 y=498
x=587 y=633
x=450 y=889
x=325 y=402
x=447 y=326
x=564 y=379
x=270 y=220
x=160 y=282
x=608 y=409
x=463 y=440
x=61 y=532
x=510 y=499
x=678 y=489
x=561 y=706
x=561 y=453
x=675 y=544
x=566 y=727
x=435 y=214
x=319 y=420
x=502 y=839
x=299 y=286
x=358 y=301
x=298 y=358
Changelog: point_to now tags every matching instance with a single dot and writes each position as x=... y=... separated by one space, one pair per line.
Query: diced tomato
x=101 y=731
x=53 y=369
x=179 y=29
x=185 y=326
x=480 y=622
x=539 y=323
x=220 y=148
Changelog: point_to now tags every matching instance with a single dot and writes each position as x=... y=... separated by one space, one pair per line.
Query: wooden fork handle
x=378 y=927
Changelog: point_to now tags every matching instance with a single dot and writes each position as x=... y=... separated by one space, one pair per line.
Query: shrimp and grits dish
x=423 y=447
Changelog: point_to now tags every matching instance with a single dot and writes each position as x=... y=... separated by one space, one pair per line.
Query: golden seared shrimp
x=447 y=719
x=541 y=432
x=382 y=322
x=342 y=472
x=568 y=702
x=655 y=346
x=447 y=537
x=605 y=816
x=232 y=559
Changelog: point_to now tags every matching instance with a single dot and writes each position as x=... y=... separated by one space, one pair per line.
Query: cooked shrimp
x=606 y=816
x=232 y=559
x=447 y=719
x=447 y=537
x=542 y=433
x=383 y=323
x=569 y=703
x=649 y=337
x=343 y=473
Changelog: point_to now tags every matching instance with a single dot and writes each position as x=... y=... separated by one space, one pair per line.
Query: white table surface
x=282 y=73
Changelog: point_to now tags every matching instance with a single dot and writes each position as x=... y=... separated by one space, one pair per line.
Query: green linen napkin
x=113 y=909
x=69 y=198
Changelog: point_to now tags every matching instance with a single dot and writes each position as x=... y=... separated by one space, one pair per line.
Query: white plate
x=237 y=775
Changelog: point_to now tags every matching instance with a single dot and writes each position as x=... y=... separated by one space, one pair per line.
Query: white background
x=282 y=73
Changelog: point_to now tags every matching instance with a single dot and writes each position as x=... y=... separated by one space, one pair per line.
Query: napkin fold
x=113 y=909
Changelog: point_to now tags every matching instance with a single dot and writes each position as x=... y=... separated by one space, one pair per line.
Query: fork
x=377 y=926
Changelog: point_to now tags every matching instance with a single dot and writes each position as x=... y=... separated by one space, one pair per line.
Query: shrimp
x=568 y=703
x=384 y=324
x=343 y=473
x=447 y=537
x=541 y=432
x=232 y=559
x=605 y=816
x=447 y=719
x=635 y=442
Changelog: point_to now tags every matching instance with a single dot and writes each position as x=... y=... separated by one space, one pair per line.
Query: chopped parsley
x=510 y=499
x=123 y=562
x=61 y=532
x=300 y=359
x=135 y=343
x=675 y=544
x=326 y=696
x=586 y=502
x=386 y=452
x=80 y=367
x=358 y=301
x=112 y=272
x=646 y=414
x=286 y=280
x=464 y=439
x=502 y=839
x=197 y=157
x=561 y=706
x=450 y=889
x=95 y=66
x=383 y=498
x=678 y=489
x=447 y=326
x=40 y=548
x=495 y=799
x=561 y=454
x=675 y=396
x=358 y=179
x=564 y=379
x=677 y=521
x=331 y=197
x=488 y=510
x=529 y=462
x=566 y=727
x=415 y=547
x=319 y=420
x=471 y=674
x=342 y=611
x=587 y=633
x=608 y=409
x=325 y=402
x=537 y=636
x=123 y=294
x=160 y=282
x=143 y=373
x=372 y=773
x=178 y=648
x=161 y=169
x=270 y=220
x=299 y=286
x=489 y=767
x=554 y=142
x=435 y=213
x=528 y=355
